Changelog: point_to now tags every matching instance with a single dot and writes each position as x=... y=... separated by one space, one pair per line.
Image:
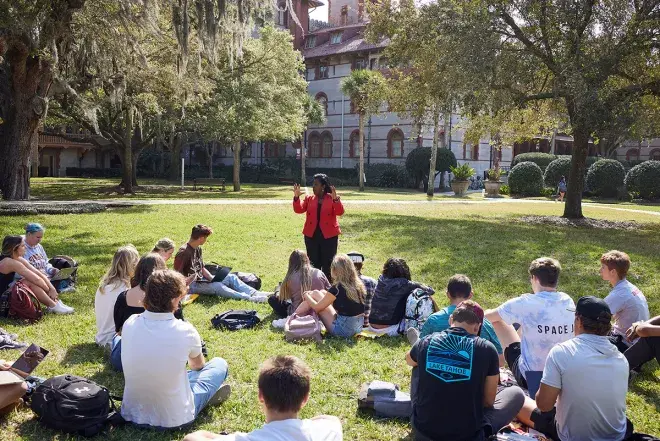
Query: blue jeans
x=345 y=326
x=115 y=353
x=231 y=287
x=206 y=382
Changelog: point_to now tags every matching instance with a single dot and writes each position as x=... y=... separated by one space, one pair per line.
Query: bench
x=287 y=181
x=210 y=182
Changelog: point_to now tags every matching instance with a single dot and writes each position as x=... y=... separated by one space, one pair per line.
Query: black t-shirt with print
x=451 y=375
x=344 y=305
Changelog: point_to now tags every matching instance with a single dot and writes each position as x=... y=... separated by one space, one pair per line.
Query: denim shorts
x=346 y=326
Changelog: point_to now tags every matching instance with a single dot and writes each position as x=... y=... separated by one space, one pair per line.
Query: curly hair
x=163 y=286
x=396 y=268
x=145 y=267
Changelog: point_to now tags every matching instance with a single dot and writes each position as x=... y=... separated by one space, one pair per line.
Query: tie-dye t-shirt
x=546 y=321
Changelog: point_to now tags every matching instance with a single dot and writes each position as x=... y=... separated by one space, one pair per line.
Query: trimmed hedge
x=605 y=178
x=540 y=159
x=77 y=172
x=644 y=180
x=526 y=179
x=417 y=162
x=555 y=170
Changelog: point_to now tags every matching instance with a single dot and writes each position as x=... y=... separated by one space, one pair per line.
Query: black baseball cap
x=593 y=308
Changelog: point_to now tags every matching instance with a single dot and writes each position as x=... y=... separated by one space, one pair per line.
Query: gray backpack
x=385 y=399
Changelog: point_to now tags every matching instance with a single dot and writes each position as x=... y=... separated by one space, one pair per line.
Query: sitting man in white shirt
x=159 y=392
x=284 y=383
x=585 y=380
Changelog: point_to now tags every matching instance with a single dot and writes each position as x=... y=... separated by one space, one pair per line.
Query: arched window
x=314 y=145
x=654 y=155
x=326 y=148
x=354 y=144
x=322 y=98
x=395 y=143
x=632 y=155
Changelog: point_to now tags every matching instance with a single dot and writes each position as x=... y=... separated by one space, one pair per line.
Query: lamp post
x=369 y=143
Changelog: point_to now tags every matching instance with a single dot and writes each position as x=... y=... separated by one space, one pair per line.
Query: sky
x=320 y=13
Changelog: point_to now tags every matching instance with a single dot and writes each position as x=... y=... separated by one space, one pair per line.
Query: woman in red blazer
x=321 y=237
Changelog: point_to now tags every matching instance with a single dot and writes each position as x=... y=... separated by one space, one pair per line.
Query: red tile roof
x=352 y=41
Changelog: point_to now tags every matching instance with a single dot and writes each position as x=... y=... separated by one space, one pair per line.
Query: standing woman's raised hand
x=296 y=190
x=333 y=192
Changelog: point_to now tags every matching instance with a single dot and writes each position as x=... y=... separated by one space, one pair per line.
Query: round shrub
x=605 y=177
x=526 y=179
x=644 y=179
x=417 y=162
x=540 y=159
x=555 y=170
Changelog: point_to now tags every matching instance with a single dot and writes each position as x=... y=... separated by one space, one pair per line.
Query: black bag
x=236 y=319
x=252 y=280
x=74 y=405
x=4 y=303
x=61 y=262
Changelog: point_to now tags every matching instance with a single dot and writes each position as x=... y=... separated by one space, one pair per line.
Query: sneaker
x=413 y=335
x=259 y=298
x=60 y=308
x=279 y=324
x=220 y=396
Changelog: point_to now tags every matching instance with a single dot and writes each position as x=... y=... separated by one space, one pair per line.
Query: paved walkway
x=437 y=201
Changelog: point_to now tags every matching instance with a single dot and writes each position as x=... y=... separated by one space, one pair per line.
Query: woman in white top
x=115 y=281
x=165 y=248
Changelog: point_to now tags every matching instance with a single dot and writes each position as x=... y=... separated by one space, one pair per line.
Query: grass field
x=488 y=242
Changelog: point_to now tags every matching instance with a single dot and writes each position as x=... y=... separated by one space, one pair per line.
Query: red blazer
x=329 y=212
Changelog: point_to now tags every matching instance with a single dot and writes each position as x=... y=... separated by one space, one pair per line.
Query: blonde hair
x=344 y=273
x=298 y=263
x=122 y=268
x=163 y=244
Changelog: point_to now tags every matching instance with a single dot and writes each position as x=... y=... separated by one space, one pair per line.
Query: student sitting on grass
x=626 y=301
x=389 y=302
x=159 y=392
x=457 y=395
x=301 y=276
x=116 y=280
x=369 y=284
x=131 y=302
x=341 y=308
x=284 y=385
x=165 y=248
x=459 y=288
x=584 y=385
x=36 y=255
x=13 y=263
x=11 y=395
x=188 y=261
x=647 y=343
x=544 y=317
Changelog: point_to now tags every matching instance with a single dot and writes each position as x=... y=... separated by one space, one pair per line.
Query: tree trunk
x=573 y=207
x=127 y=154
x=443 y=144
x=237 y=166
x=434 y=153
x=176 y=141
x=361 y=177
x=209 y=155
x=24 y=81
x=136 y=155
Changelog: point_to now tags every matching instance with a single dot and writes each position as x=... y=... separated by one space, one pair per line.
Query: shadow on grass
x=646 y=385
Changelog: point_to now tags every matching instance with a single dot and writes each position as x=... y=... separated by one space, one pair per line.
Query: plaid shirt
x=370 y=284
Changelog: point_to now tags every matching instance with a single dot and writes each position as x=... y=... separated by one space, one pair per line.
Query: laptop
x=63 y=274
x=219 y=275
x=533 y=382
x=24 y=366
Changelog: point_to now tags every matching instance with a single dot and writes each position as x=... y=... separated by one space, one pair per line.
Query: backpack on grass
x=23 y=304
x=74 y=405
x=61 y=262
x=419 y=306
x=236 y=319
x=306 y=327
x=385 y=399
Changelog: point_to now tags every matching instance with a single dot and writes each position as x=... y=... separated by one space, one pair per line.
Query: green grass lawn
x=488 y=242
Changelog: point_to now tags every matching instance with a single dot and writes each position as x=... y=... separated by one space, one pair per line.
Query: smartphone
x=30 y=359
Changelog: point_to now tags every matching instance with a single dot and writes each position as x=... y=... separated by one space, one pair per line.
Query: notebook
x=63 y=274
x=24 y=366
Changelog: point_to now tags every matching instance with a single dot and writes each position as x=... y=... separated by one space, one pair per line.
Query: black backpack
x=233 y=320
x=62 y=261
x=74 y=405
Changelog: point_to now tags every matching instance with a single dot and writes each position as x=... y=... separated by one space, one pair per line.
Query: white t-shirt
x=628 y=305
x=320 y=429
x=155 y=348
x=545 y=320
x=104 y=307
x=593 y=377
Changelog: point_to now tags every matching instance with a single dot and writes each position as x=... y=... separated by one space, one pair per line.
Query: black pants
x=546 y=423
x=321 y=251
x=512 y=355
x=645 y=349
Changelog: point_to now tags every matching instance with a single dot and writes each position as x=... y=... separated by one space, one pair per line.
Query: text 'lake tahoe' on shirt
x=449 y=358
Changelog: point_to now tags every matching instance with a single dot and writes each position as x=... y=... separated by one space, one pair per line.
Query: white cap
x=356 y=257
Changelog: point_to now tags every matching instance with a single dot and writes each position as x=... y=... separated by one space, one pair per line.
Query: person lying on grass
x=341 y=308
x=13 y=263
x=284 y=385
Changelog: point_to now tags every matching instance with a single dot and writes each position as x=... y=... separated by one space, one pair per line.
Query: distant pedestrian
x=561 y=188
